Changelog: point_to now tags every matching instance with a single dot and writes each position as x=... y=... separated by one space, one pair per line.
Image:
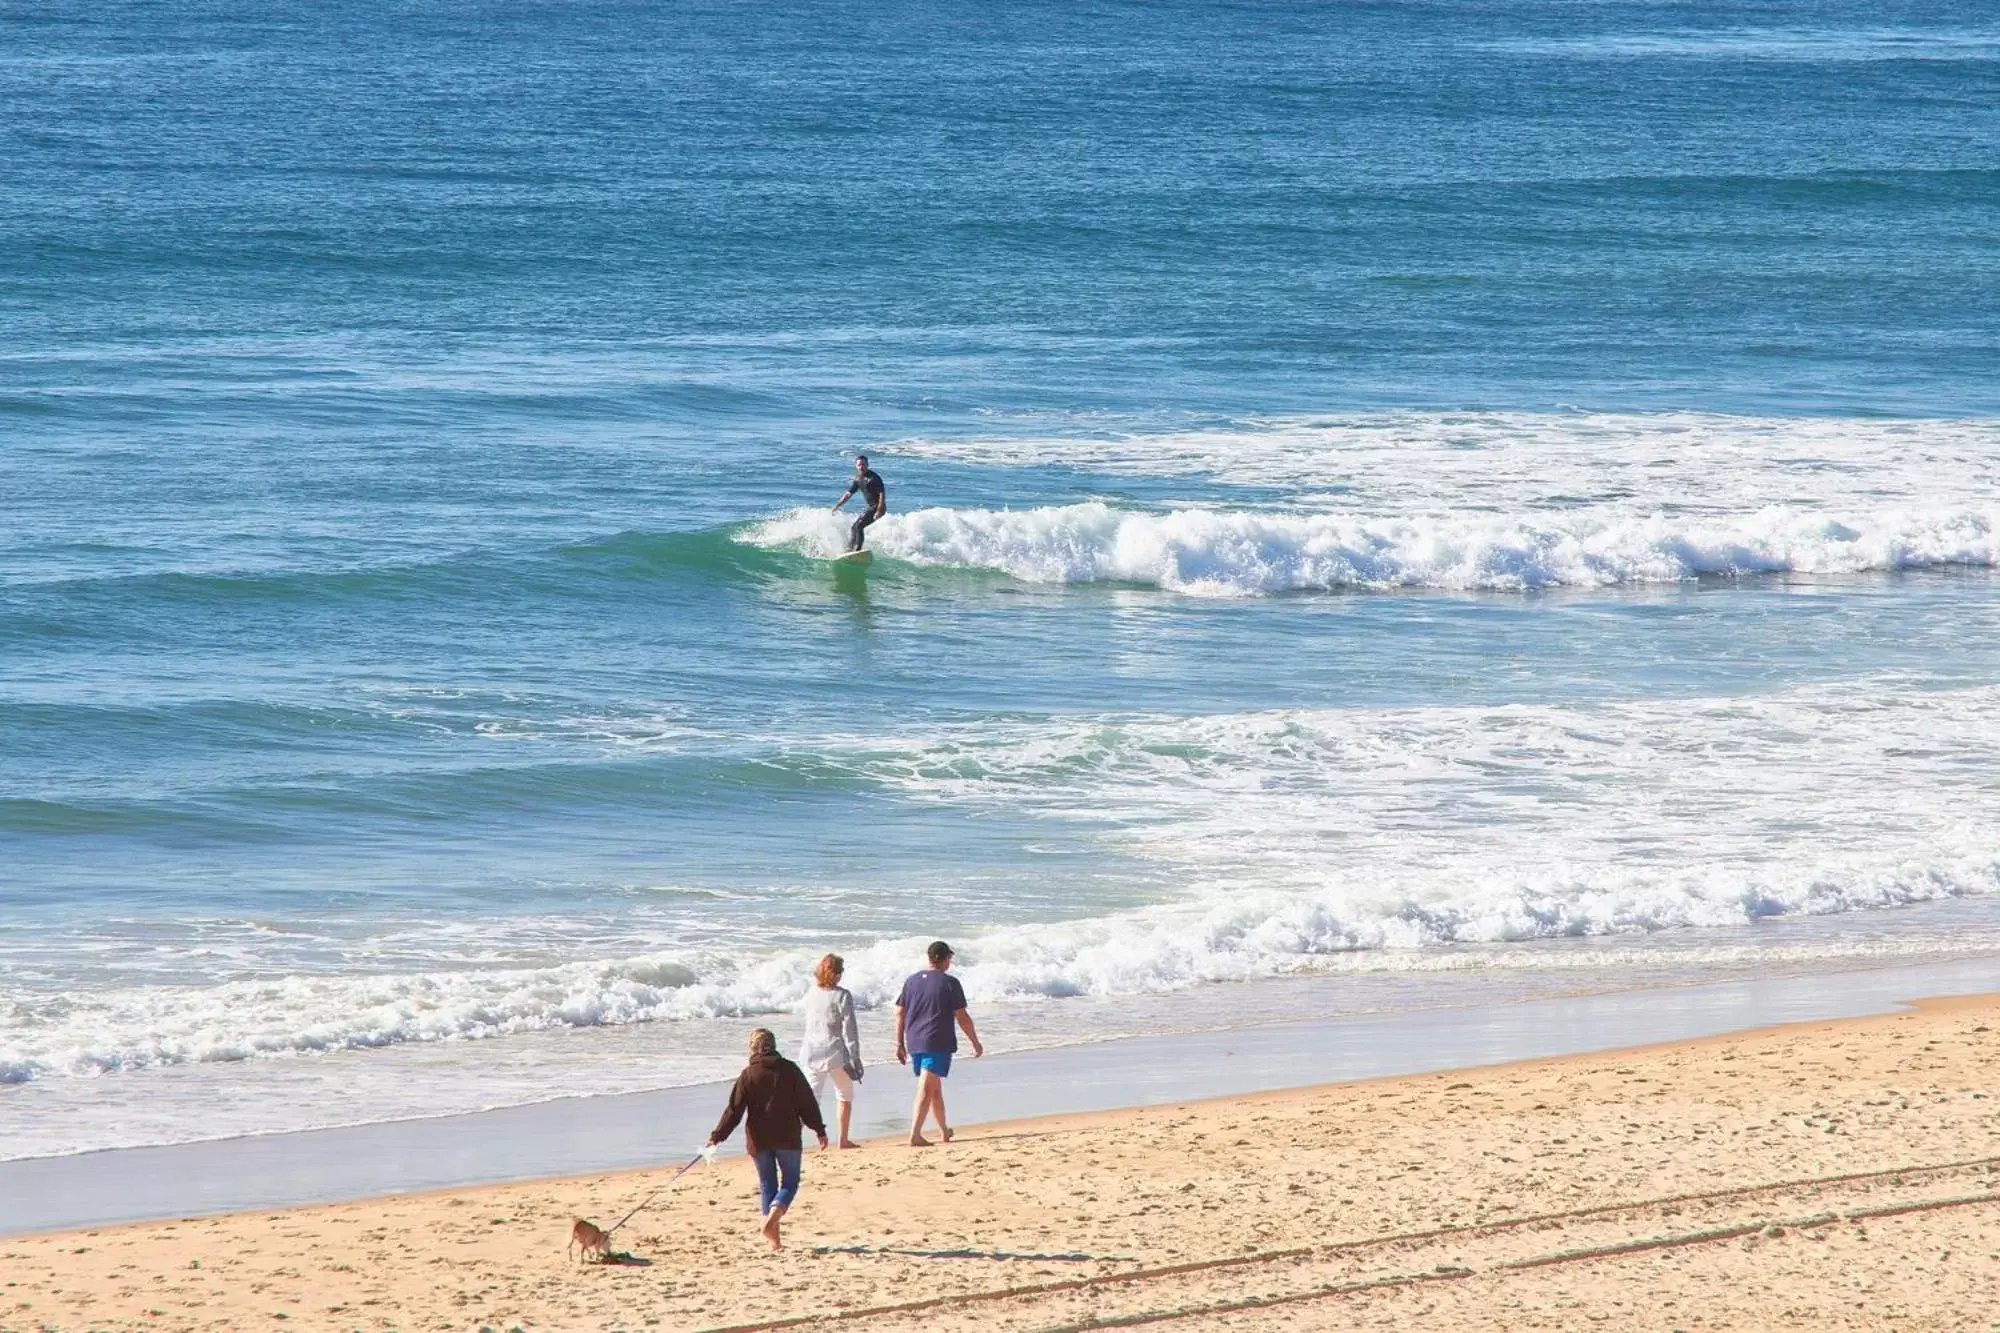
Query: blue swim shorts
x=937 y=1062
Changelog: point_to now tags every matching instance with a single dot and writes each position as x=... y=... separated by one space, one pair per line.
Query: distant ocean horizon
x=1390 y=505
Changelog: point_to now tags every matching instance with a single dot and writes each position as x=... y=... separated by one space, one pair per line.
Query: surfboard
x=853 y=559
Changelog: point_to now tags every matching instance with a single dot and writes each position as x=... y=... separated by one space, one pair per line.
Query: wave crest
x=1238 y=553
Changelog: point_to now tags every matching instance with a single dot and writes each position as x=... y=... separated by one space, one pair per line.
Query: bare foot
x=849 y=1143
x=947 y=1136
x=772 y=1220
x=919 y=1141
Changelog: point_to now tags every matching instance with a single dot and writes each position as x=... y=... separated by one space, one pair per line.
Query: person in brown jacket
x=775 y=1096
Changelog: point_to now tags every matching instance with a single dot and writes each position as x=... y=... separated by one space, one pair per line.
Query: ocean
x=1391 y=505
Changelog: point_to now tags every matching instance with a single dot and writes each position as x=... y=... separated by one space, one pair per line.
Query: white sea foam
x=1224 y=936
x=1300 y=839
x=1472 y=501
x=1437 y=464
x=1238 y=553
x=1232 y=936
x=1300 y=833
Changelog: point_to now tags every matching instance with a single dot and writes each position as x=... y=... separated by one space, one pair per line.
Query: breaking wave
x=1235 y=935
x=1243 y=554
x=1300 y=840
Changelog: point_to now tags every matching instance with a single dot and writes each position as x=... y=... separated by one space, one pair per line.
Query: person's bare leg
x=772 y=1222
x=937 y=1107
x=937 y=1110
x=925 y=1082
x=846 y=1119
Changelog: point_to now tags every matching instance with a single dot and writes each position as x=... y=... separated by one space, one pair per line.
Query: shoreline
x=1822 y=1173
x=570 y=1138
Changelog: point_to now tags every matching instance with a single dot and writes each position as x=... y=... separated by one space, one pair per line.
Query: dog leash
x=706 y=1154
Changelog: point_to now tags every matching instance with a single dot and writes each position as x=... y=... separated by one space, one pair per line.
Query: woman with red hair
x=832 y=1050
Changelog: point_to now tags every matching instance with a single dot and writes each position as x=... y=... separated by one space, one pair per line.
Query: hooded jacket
x=773 y=1094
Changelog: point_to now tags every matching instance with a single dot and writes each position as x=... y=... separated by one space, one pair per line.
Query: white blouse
x=832 y=1040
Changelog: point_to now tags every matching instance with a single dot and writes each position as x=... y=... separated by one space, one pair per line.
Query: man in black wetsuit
x=874 y=498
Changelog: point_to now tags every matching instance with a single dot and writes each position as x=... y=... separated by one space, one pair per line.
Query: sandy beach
x=1825 y=1175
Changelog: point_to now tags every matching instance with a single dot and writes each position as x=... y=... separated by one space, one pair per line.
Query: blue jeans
x=773 y=1166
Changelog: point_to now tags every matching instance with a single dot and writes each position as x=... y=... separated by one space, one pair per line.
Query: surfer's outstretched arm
x=846 y=495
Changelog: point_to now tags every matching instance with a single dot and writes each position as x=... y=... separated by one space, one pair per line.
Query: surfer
x=873 y=496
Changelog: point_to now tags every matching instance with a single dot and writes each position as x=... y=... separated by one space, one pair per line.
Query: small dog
x=589 y=1239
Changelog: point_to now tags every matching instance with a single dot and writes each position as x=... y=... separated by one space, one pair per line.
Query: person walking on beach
x=874 y=500
x=774 y=1095
x=928 y=1012
x=831 y=1054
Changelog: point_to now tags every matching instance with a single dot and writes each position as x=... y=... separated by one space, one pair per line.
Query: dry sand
x=1680 y=1187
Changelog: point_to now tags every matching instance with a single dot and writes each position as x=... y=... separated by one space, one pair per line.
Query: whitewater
x=1468 y=502
x=1295 y=841
x=1235 y=554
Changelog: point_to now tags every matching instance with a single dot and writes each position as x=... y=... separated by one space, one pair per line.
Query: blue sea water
x=1396 y=490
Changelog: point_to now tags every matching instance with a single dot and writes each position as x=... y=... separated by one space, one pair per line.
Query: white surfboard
x=853 y=559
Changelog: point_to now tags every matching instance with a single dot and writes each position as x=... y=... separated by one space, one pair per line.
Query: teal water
x=1381 y=487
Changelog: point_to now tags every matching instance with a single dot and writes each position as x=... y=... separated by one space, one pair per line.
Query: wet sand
x=1826 y=1175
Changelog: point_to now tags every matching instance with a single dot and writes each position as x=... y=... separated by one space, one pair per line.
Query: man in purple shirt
x=928 y=1011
